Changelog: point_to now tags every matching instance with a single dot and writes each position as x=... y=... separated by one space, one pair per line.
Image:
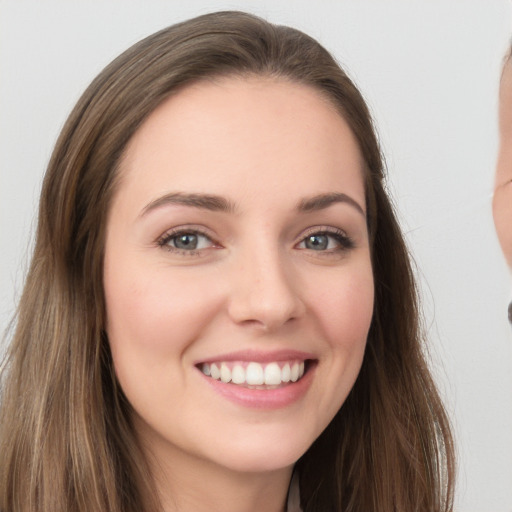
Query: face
x=502 y=202
x=238 y=281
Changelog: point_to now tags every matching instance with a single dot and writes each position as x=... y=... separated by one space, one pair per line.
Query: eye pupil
x=317 y=242
x=186 y=241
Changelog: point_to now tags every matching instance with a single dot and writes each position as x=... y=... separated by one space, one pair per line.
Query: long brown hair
x=66 y=439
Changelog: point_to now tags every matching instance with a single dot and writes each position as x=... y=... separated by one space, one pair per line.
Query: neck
x=217 y=492
x=189 y=484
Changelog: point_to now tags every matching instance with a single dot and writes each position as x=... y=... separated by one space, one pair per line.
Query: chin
x=259 y=457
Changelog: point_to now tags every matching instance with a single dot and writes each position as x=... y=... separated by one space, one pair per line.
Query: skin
x=264 y=145
x=502 y=201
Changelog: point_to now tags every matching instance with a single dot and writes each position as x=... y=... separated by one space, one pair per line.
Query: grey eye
x=187 y=241
x=317 y=242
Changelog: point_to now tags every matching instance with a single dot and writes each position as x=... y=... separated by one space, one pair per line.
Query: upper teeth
x=255 y=374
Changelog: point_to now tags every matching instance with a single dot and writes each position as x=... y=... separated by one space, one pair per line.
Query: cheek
x=345 y=309
x=153 y=317
x=152 y=313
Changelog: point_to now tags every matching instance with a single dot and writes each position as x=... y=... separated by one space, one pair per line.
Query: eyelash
x=167 y=237
x=342 y=239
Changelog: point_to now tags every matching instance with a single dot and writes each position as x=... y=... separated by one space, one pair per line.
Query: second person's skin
x=502 y=203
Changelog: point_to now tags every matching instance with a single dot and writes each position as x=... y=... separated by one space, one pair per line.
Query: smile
x=255 y=375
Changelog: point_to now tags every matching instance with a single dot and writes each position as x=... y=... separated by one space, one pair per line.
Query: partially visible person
x=502 y=201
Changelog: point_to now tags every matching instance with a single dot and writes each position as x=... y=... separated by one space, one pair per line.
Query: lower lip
x=263 y=398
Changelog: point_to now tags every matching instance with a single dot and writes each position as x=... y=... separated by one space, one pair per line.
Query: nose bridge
x=263 y=288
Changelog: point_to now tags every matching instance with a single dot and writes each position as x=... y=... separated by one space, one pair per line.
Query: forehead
x=258 y=128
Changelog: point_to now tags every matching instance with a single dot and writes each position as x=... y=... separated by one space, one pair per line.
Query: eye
x=318 y=242
x=184 y=241
x=326 y=241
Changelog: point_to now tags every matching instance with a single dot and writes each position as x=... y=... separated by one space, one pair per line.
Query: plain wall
x=430 y=73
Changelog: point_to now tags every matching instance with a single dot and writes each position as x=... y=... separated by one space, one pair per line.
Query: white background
x=429 y=71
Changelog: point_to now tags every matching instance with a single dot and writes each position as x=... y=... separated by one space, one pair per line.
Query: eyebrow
x=322 y=201
x=221 y=204
x=204 y=201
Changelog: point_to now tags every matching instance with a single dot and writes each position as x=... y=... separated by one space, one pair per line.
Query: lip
x=265 y=399
x=259 y=357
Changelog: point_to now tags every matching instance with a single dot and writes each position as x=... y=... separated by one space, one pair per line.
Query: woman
x=220 y=301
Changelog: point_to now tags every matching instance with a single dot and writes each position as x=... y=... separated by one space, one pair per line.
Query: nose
x=264 y=292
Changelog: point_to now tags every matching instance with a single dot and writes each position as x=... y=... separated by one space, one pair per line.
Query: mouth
x=256 y=375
